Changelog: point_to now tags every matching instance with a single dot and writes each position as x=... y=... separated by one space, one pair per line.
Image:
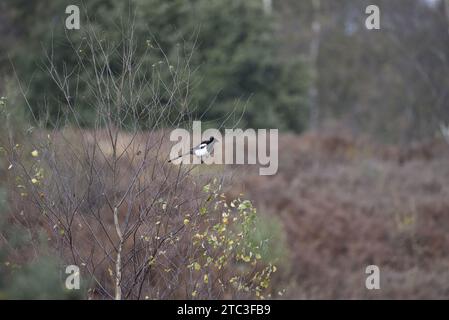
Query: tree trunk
x=313 y=57
x=446 y=11
x=118 y=260
x=267 y=6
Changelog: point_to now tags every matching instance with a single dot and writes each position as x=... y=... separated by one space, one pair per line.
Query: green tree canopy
x=234 y=66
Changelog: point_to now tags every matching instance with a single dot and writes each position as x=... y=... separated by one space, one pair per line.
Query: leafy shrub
x=225 y=251
x=109 y=200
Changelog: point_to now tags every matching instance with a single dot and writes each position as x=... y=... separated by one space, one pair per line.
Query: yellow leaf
x=264 y=284
x=35 y=153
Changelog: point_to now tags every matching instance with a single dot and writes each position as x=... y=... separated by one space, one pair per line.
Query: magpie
x=205 y=148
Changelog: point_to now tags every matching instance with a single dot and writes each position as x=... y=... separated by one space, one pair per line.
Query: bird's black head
x=211 y=139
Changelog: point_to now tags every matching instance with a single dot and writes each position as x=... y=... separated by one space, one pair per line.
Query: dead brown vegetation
x=346 y=203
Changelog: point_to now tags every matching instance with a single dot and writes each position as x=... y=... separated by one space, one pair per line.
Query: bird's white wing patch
x=200 y=152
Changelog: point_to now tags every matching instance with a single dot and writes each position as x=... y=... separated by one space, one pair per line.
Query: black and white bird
x=205 y=148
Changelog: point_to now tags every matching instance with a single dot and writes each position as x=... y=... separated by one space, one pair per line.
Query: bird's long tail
x=182 y=155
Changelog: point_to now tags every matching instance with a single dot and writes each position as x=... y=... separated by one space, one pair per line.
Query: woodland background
x=363 y=170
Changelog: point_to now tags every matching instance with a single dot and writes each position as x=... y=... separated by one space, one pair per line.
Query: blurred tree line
x=229 y=47
x=392 y=82
x=287 y=64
